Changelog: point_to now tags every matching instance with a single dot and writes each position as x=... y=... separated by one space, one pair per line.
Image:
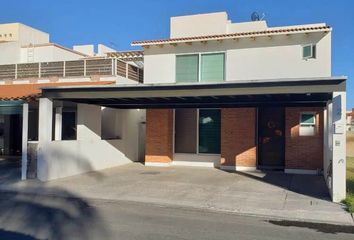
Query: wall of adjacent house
x=58 y=159
x=10 y=53
x=48 y=53
x=247 y=58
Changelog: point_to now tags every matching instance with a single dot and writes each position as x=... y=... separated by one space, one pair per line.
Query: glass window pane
x=307 y=118
x=186 y=130
x=187 y=68
x=209 y=131
x=212 y=67
x=307 y=51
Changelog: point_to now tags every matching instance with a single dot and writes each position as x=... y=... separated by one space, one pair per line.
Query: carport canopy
x=248 y=93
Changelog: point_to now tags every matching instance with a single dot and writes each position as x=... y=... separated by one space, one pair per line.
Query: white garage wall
x=58 y=159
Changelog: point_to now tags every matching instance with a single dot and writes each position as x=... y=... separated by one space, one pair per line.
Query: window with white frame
x=197 y=131
x=206 y=67
x=307 y=124
x=309 y=51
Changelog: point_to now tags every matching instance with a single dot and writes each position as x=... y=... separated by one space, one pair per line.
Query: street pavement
x=29 y=217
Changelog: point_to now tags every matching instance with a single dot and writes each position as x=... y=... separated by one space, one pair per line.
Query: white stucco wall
x=58 y=159
x=10 y=53
x=248 y=59
x=48 y=53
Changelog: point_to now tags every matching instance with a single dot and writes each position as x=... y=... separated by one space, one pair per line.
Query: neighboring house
x=236 y=96
x=350 y=121
x=29 y=62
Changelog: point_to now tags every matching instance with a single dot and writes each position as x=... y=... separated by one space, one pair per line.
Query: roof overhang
x=235 y=36
x=287 y=92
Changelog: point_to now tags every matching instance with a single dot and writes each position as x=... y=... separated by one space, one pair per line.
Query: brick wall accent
x=159 y=130
x=303 y=152
x=238 y=137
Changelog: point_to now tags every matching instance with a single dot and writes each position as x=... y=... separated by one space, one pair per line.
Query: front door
x=271 y=139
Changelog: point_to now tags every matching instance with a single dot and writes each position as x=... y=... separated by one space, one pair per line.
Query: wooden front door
x=271 y=139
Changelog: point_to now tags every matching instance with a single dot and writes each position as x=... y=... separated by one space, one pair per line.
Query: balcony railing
x=77 y=68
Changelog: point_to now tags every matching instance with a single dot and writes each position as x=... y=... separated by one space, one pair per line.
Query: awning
x=275 y=92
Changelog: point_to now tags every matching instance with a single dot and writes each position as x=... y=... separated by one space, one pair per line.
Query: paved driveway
x=301 y=197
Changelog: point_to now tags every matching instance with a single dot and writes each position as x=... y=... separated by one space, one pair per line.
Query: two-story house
x=236 y=96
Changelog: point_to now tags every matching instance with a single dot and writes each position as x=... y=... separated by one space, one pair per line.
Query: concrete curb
x=175 y=206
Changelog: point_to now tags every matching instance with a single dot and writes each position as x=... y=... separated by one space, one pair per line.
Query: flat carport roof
x=270 y=92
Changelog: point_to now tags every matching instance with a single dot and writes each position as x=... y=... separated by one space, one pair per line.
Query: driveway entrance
x=272 y=194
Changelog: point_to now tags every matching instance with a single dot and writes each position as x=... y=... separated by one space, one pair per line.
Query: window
x=309 y=51
x=187 y=68
x=307 y=124
x=111 y=123
x=208 y=67
x=197 y=131
x=209 y=131
x=212 y=67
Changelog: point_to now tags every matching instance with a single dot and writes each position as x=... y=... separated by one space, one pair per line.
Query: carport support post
x=338 y=146
x=44 y=136
x=58 y=122
x=24 y=141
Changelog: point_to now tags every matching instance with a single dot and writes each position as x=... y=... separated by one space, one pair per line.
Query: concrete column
x=339 y=146
x=44 y=137
x=58 y=123
x=24 y=141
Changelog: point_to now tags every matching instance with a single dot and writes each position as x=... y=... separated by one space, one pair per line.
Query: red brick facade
x=159 y=135
x=238 y=137
x=303 y=152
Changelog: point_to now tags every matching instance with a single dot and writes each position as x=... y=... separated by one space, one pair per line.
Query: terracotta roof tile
x=232 y=35
x=33 y=91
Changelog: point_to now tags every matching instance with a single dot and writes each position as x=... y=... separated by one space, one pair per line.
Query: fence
x=77 y=68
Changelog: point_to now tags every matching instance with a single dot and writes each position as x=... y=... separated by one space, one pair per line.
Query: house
x=350 y=120
x=235 y=96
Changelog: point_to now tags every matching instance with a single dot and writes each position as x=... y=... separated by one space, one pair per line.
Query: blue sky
x=118 y=23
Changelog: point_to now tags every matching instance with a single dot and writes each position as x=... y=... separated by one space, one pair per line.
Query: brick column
x=238 y=139
x=159 y=136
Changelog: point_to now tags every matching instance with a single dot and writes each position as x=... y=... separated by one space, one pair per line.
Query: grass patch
x=349 y=201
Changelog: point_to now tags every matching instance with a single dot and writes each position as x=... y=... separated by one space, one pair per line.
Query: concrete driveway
x=272 y=194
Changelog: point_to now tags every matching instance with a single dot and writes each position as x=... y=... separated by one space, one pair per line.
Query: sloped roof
x=268 y=32
x=33 y=91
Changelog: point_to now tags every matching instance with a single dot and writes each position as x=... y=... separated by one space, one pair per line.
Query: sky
x=117 y=23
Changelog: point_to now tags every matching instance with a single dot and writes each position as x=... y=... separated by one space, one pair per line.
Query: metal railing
x=76 y=68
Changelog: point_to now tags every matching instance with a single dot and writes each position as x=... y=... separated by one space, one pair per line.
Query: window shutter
x=187 y=68
x=212 y=67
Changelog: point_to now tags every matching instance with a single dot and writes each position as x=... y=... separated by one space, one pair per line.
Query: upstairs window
x=309 y=51
x=208 y=67
x=187 y=67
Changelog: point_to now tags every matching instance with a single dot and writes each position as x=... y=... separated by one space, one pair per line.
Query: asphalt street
x=46 y=217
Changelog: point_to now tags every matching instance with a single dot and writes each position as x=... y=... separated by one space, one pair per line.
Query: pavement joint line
x=176 y=206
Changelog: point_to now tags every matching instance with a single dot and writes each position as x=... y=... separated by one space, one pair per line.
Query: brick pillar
x=238 y=138
x=303 y=152
x=159 y=136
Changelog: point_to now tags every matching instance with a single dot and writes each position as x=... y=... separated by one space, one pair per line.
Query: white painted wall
x=198 y=25
x=58 y=159
x=85 y=49
x=10 y=53
x=22 y=33
x=247 y=59
x=49 y=53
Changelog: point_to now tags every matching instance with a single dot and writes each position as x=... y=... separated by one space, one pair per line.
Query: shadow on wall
x=30 y=216
x=64 y=162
